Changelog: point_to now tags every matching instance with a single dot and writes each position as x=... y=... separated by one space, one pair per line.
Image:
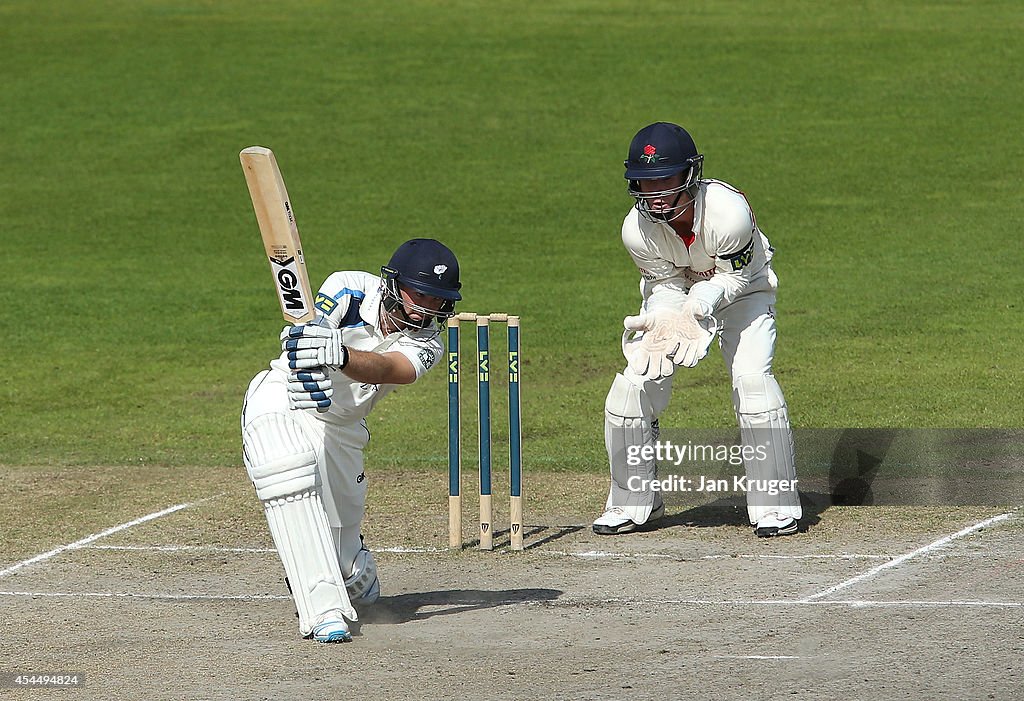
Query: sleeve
x=423 y=354
x=338 y=300
x=662 y=284
x=734 y=240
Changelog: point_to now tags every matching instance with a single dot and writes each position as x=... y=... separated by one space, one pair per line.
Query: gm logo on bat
x=287 y=275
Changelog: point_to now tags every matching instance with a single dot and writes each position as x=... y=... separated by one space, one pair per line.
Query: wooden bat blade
x=280 y=233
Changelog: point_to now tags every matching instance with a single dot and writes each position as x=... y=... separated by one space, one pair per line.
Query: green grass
x=878 y=144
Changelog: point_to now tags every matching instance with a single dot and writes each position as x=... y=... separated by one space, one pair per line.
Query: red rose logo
x=650 y=154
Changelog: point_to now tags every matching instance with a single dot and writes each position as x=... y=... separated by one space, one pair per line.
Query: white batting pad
x=765 y=430
x=282 y=465
x=628 y=426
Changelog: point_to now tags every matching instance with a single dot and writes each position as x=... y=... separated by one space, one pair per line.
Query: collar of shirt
x=369 y=310
x=698 y=208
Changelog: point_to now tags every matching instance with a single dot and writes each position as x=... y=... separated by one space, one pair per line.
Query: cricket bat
x=280 y=233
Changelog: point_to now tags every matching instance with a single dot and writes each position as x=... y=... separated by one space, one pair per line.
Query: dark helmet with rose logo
x=661 y=150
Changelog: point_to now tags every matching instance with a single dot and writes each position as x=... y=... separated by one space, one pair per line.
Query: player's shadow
x=854 y=465
x=732 y=511
x=419 y=606
x=549 y=534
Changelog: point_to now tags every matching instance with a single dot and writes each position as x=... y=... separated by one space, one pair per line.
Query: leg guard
x=768 y=448
x=629 y=425
x=282 y=465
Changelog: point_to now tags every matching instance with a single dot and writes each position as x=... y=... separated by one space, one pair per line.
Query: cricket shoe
x=772 y=525
x=330 y=627
x=615 y=522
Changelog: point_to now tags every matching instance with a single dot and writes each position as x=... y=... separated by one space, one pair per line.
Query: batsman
x=304 y=422
x=705 y=270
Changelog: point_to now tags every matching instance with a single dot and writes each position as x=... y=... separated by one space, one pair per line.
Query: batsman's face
x=417 y=304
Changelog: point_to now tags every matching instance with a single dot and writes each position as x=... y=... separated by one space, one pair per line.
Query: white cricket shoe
x=330 y=627
x=615 y=522
x=772 y=525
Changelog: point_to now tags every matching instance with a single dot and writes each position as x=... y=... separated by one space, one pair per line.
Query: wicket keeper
x=705 y=270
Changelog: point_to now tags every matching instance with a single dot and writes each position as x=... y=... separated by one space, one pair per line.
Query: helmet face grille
x=398 y=310
x=681 y=197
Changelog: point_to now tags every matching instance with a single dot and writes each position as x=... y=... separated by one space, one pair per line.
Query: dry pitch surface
x=869 y=602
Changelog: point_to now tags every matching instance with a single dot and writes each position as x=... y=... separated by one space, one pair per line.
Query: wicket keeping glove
x=669 y=338
x=310 y=389
x=647 y=354
x=312 y=347
x=697 y=329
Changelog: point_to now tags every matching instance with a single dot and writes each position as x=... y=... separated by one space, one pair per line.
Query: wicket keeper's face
x=663 y=196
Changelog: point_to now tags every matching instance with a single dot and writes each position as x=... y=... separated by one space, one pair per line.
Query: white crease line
x=134 y=595
x=220 y=549
x=590 y=554
x=782 y=603
x=839 y=556
x=565 y=602
x=601 y=554
x=178 y=548
x=758 y=657
x=940 y=543
x=96 y=536
x=857 y=603
x=586 y=555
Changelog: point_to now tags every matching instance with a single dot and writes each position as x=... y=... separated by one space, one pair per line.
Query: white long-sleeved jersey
x=351 y=301
x=725 y=257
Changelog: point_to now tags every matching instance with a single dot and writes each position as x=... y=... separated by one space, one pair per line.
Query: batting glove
x=311 y=347
x=310 y=389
